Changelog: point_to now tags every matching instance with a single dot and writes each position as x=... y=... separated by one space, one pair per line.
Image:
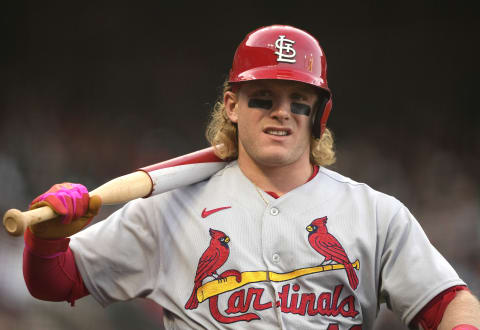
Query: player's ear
x=230 y=100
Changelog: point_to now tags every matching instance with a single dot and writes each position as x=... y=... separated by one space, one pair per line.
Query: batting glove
x=73 y=205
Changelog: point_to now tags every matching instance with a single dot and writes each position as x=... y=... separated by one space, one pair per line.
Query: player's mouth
x=277 y=131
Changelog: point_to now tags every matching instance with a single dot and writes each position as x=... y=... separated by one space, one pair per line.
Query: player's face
x=274 y=121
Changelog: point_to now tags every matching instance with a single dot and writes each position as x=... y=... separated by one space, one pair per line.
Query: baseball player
x=272 y=241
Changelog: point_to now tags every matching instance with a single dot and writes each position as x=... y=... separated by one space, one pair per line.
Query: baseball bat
x=147 y=181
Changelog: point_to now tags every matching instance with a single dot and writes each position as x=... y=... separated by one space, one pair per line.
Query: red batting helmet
x=287 y=53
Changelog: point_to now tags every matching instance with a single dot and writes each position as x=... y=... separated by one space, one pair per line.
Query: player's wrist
x=45 y=248
x=465 y=327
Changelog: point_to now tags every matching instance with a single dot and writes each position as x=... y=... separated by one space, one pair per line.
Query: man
x=272 y=241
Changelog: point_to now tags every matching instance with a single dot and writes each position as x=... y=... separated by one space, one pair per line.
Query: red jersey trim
x=315 y=172
x=316 y=168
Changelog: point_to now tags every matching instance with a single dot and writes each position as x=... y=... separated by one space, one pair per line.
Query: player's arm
x=51 y=277
x=464 y=309
x=49 y=265
x=431 y=316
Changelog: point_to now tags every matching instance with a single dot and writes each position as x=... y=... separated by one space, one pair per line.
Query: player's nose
x=281 y=110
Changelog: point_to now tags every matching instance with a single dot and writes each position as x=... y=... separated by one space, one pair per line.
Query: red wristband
x=45 y=248
x=465 y=327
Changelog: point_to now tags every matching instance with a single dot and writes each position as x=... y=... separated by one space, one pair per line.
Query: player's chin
x=275 y=156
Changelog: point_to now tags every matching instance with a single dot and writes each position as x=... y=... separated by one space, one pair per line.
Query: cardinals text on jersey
x=289 y=298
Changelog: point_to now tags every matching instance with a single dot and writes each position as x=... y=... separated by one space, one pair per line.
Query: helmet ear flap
x=320 y=115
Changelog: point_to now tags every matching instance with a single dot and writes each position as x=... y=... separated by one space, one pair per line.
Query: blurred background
x=93 y=90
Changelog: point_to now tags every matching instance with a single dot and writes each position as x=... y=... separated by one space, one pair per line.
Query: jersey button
x=274 y=211
x=276 y=258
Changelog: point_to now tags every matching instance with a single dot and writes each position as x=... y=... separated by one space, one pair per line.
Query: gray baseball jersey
x=222 y=254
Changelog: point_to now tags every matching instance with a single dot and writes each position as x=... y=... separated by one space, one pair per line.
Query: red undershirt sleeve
x=431 y=315
x=50 y=271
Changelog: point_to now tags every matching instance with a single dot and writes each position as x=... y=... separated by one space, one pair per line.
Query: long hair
x=222 y=135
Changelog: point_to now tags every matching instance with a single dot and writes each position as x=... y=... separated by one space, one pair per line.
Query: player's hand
x=73 y=205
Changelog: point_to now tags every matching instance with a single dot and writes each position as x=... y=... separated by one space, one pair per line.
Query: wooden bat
x=145 y=182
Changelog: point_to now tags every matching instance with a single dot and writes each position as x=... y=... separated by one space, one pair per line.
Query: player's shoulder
x=355 y=188
x=337 y=177
x=231 y=171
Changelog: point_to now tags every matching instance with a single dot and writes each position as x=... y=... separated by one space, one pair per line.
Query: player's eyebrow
x=260 y=91
x=302 y=94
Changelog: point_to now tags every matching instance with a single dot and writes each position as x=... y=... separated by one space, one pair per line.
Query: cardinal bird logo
x=212 y=259
x=327 y=245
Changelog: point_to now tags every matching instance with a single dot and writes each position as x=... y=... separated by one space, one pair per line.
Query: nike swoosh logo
x=206 y=213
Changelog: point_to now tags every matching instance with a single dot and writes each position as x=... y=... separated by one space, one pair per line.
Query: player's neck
x=278 y=179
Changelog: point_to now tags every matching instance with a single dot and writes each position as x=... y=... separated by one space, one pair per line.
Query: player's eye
x=260 y=103
x=300 y=96
x=300 y=109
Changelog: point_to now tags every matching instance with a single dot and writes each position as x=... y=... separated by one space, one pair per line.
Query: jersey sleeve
x=431 y=315
x=413 y=272
x=117 y=258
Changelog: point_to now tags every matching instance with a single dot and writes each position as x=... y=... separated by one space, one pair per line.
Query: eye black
x=300 y=109
x=260 y=103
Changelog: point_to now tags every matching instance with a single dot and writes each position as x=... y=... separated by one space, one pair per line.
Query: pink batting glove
x=69 y=200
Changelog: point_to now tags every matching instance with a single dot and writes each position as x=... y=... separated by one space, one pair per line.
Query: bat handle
x=16 y=221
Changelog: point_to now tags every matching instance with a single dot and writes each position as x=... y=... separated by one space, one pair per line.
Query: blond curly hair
x=222 y=135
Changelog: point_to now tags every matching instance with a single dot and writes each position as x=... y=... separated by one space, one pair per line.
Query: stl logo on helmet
x=285 y=52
